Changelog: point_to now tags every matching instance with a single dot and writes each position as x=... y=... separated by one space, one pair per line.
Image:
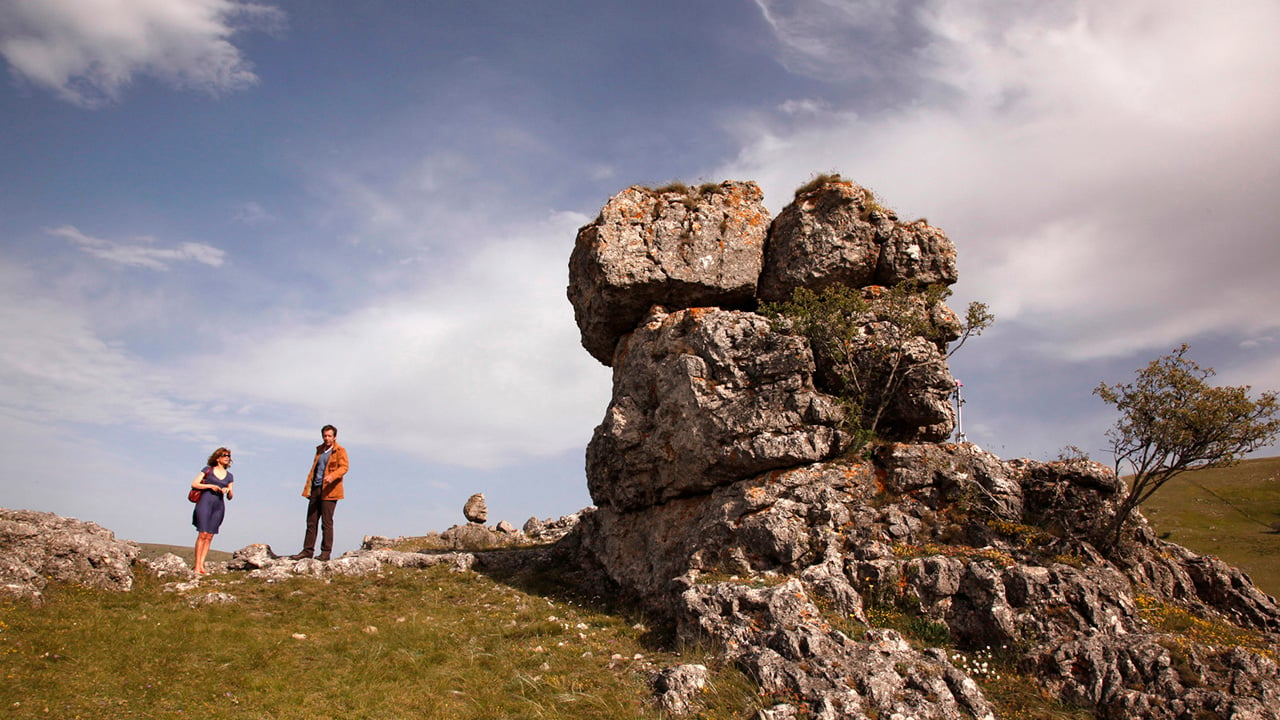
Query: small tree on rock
x=1172 y=420
x=863 y=336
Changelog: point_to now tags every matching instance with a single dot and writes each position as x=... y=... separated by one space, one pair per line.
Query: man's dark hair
x=329 y=427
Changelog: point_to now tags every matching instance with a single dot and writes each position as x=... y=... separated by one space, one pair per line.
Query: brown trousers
x=319 y=512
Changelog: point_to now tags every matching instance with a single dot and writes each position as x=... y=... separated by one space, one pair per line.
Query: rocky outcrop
x=39 y=547
x=552 y=529
x=780 y=637
x=726 y=503
x=942 y=533
x=678 y=247
x=171 y=566
x=260 y=562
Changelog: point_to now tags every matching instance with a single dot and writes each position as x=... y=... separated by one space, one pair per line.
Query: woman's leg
x=203 y=541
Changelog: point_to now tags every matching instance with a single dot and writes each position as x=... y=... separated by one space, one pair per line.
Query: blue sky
x=229 y=223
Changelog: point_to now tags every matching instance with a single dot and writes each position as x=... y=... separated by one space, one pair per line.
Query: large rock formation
x=727 y=503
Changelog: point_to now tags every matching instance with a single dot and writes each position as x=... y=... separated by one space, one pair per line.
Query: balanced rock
x=677 y=247
x=476 y=510
x=835 y=232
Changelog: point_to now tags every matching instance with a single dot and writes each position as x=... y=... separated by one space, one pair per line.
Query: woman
x=215 y=483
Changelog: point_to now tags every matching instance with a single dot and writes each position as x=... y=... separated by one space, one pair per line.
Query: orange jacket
x=337 y=467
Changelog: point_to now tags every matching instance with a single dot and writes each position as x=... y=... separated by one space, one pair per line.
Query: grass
x=401 y=644
x=1228 y=512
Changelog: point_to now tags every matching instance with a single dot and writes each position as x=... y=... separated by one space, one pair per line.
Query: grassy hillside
x=1229 y=512
x=399 y=644
x=424 y=644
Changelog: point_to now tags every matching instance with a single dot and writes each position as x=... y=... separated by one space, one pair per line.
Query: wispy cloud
x=88 y=51
x=843 y=38
x=143 y=252
x=56 y=367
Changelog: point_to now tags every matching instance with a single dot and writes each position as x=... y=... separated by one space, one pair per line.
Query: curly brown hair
x=213 y=459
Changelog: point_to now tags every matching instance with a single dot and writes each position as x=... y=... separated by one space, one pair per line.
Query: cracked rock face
x=703 y=397
x=778 y=636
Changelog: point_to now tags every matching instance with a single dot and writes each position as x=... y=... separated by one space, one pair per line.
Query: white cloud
x=144 y=253
x=1102 y=167
x=56 y=368
x=481 y=368
x=88 y=51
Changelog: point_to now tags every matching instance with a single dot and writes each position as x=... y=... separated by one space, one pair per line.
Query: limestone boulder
x=474 y=536
x=168 y=566
x=781 y=522
x=678 y=248
x=909 y=385
x=36 y=547
x=551 y=529
x=703 y=397
x=476 y=509
x=679 y=689
x=836 y=232
x=254 y=557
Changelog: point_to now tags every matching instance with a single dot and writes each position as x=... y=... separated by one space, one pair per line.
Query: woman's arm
x=200 y=484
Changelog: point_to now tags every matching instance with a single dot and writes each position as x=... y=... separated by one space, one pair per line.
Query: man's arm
x=339 y=464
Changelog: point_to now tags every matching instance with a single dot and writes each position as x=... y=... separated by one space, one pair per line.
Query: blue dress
x=207 y=517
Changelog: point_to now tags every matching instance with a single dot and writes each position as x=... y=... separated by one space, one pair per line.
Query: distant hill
x=1231 y=512
x=186 y=552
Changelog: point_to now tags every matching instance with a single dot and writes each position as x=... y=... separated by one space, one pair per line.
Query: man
x=323 y=491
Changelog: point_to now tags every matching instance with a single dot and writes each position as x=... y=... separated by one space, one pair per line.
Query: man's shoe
x=300 y=556
x=323 y=556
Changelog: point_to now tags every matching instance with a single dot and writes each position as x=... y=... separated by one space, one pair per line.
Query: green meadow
x=1231 y=512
